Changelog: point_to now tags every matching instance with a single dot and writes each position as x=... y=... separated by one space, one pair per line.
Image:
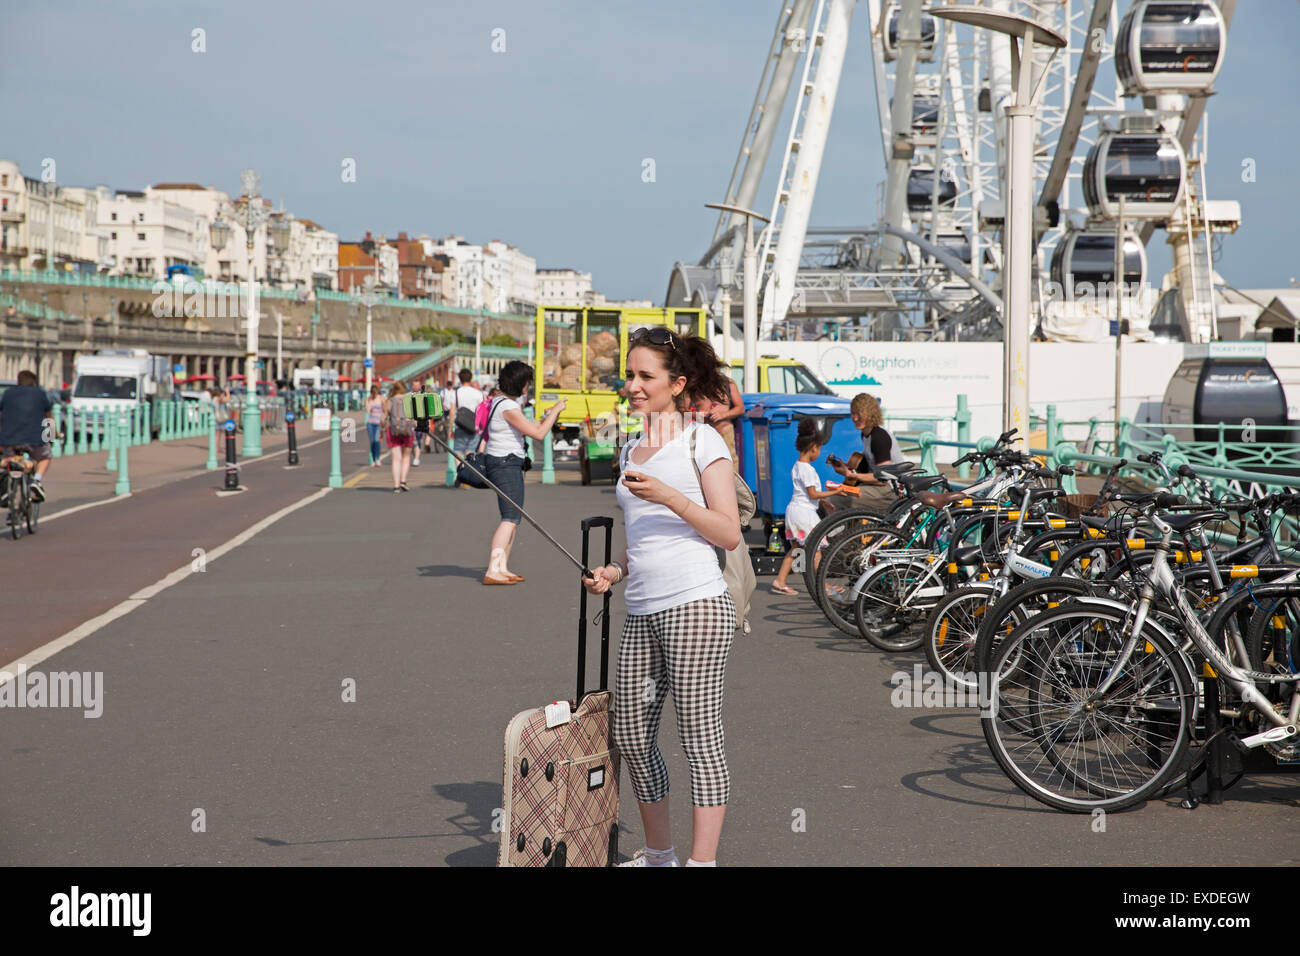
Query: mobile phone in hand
x=632 y=478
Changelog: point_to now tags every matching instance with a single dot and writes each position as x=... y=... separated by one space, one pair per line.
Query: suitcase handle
x=606 y=522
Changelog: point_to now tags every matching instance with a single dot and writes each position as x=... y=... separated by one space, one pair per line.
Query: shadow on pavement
x=449 y=571
x=481 y=801
x=973 y=771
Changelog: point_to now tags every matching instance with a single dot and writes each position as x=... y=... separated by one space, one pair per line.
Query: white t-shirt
x=467 y=396
x=503 y=438
x=669 y=562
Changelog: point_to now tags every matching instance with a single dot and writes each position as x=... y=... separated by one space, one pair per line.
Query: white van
x=117 y=380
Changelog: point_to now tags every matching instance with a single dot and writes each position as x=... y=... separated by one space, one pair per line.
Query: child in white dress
x=801 y=514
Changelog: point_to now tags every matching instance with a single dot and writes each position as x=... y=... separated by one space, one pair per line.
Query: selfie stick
x=529 y=518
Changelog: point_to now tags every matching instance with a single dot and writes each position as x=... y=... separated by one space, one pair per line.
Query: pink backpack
x=481 y=415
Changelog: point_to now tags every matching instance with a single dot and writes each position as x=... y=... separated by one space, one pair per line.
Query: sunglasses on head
x=656 y=336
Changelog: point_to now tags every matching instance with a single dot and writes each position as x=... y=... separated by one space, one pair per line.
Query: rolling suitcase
x=560 y=791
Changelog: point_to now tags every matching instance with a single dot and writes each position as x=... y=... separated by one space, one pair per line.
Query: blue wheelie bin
x=770 y=427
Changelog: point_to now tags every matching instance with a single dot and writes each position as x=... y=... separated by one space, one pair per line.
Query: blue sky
x=541 y=145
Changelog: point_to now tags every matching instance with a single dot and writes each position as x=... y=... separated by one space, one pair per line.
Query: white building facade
x=563 y=287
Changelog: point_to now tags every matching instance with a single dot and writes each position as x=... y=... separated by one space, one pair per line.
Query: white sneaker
x=639 y=859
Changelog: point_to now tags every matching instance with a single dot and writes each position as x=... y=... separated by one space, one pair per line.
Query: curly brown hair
x=867 y=408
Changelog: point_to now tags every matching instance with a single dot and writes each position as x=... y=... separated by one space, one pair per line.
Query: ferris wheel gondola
x=920 y=190
x=1147 y=169
x=1170 y=46
x=1085 y=261
x=889 y=38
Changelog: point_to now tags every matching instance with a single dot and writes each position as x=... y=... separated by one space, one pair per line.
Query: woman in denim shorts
x=505 y=450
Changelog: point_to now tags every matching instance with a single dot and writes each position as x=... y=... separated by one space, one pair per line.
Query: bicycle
x=1104 y=697
x=23 y=510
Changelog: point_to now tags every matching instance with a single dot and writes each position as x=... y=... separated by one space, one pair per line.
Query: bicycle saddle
x=940 y=499
x=1185 y=522
x=919 y=482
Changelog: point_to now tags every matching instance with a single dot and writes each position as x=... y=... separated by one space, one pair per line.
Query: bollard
x=252 y=425
x=211 y=415
x=123 y=486
x=548 y=459
x=289 y=419
x=111 y=439
x=451 y=462
x=232 y=465
x=99 y=421
x=83 y=438
x=963 y=431
x=69 y=434
x=56 y=450
x=336 y=465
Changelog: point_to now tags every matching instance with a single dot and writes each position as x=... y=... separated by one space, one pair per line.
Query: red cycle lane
x=79 y=566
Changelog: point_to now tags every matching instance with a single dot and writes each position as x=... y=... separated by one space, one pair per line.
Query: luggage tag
x=557 y=713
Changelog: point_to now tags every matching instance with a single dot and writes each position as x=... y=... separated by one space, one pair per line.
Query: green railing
x=28 y=307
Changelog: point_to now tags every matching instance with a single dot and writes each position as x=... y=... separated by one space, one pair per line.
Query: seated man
x=24 y=410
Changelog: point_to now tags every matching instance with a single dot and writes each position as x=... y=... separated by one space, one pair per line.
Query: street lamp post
x=478 y=344
x=750 y=292
x=1018 y=232
x=253 y=216
x=368 y=298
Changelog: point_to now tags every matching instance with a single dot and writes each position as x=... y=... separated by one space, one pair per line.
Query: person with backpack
x=679 y=499
x=400 y=432
x=506 y=459
x=467 y=402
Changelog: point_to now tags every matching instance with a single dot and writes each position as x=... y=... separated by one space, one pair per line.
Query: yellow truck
x=581 y=355
x=783 y=376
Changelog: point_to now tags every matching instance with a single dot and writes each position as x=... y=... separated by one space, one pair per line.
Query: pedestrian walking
x=417 y=447
x=401 y=436
x=467 y=402
x=505 y=455
x=374 y=422
x=449 y=408
x=677 y=509
x=801 y=514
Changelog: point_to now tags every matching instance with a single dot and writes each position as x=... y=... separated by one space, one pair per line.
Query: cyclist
x=24 y=409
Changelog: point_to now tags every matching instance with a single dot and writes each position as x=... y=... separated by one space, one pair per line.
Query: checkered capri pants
x=683 y=649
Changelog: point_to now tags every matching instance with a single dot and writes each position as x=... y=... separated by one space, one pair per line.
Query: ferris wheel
x=1115 y=139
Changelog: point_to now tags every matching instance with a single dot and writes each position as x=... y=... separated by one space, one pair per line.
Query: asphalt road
x=224 y=704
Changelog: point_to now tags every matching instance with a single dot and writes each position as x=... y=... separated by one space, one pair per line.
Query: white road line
x=32 y=658
x=95 y=504
x=45 y=519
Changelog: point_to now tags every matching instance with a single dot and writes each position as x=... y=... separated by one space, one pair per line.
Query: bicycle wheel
x=33 y=512
x=15 y=509
x=880 y=612
x=842 y=564
x=951 y=629
x=826 y=532
x=1075 y=749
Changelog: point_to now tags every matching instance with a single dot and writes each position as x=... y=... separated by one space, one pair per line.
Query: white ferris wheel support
x=814 y=106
